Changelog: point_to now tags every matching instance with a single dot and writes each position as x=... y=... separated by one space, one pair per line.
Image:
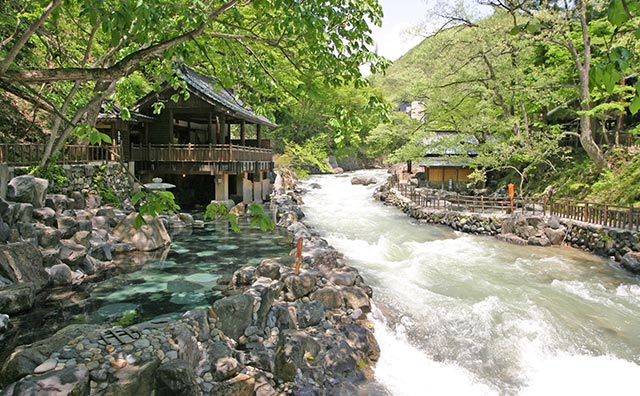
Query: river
x=457 y=314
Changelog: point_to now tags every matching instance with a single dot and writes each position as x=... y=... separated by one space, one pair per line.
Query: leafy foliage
x=107 y=193
x=152 y=203
x=54 y=173
x=218 y=211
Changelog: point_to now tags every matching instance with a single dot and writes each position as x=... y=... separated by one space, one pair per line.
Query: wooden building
x=447 y=158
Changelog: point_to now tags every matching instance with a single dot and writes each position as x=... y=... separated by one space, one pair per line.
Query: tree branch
x=11 y=56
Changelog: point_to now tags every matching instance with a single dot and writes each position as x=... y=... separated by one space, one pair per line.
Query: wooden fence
x=26 y=154
x=627 y=218
x=467 y=203
x=198 y=153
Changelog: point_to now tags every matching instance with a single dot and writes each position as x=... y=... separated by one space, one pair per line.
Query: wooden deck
x=198 y=153
x=27 y=154
x=24 y=154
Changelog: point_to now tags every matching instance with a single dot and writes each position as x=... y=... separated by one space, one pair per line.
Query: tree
x=67 y=57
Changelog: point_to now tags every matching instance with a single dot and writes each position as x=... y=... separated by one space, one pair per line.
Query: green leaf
x=616 y=13
x=125 y=114
x=634 y=106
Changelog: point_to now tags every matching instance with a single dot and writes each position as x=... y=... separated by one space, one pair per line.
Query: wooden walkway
x=625 y=218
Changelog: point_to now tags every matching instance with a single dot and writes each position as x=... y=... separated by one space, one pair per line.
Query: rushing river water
x=465 y=315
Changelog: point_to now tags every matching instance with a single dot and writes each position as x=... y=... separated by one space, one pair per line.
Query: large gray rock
x=58 y=202
x=4 y=322
x=176 y=378
x=290 y=353
x=268 y=290
x=72 y=381
x=18 y=297
x=234 y=314
x=363 y=180
x=22 y=262
x=356 y=298
x=46 y=216
x=555 y=235
x=61 y=275
x=48 y=237
x=72 y=253
x=631 y=262
x=150 y=236
x=68 y=226
x=309 y=314
x=329 y=296
x=300 y=286
x=133 y=380
x=28 y=189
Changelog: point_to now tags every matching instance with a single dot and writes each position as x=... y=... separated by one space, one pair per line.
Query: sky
x=392 y=38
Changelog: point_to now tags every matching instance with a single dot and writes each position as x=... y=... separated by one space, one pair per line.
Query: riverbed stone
x=538 y=241
x=235 y=314
x=133 y=379
x=48 y=237
x=269 y=268
x=364 y=180
x=240 y=385
x=60 y=274
x=72 y=253
x=309 y=313
x=176 y=378
x=343 y=278
x=68 y=381
x=300 y=285
x=329 y=296
x=22 y=262
x=4 y=322
x=555 y=235
x=46 y=216
x=631 y=262
x=152 y=235
x=28 y=189
x=355 y=297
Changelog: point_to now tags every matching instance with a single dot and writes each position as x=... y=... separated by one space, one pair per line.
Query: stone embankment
x=621 y=245
x=277 y=332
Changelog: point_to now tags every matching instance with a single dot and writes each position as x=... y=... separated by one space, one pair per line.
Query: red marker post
x=512 y=192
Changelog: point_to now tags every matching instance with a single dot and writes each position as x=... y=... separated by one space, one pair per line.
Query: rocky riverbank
x=621 y=245
x=275 y=333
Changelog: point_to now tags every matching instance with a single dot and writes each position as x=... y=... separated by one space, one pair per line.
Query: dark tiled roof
x=206 y=87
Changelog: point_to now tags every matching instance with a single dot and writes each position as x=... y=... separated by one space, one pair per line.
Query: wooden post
x=258 y=135
x=242 y=132
x=630 y=226
x=210 y=127
x=298 y=256
x=221 y=130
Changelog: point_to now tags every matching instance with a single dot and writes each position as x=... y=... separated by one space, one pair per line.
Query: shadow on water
x=143 y=286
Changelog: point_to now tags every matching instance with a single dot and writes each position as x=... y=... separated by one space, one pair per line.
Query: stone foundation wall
x=87 y=177
x=524 y=230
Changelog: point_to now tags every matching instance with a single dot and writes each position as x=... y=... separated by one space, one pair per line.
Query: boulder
x=555 y=235
x=68 y=226
x=73 y=381
x=22 y=262
x=225 y=368
x=363 y=180
x=60 y=274
x=329 y=296
x=343 y=278
x=291 y=352
x=538 y=241
x=18 y=297
x=4 y=322
x=301 y=285
x=152 y=235
x=72 y=253
x=240 y=385
x=48 y=237
x=46 y=216
x=82 y=238
x=512 y=238
x=631 y=262
x=28 y=189
x=269 y=268
x=78 y=200
x=309 y=314
x=268 y=290
x=355 y=297
x=58 y=202
x=133 y=380
x=5 y=232
x=554 y=222
x=176 y=378
x=234 y=314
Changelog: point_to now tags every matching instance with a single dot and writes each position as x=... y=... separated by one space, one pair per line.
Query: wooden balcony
x=199 y=153
x=27 y=154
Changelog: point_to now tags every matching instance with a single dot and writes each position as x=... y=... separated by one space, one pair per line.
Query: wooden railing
x=597 y=213
x=459 y=202
x=25 y=154
x=198 y=153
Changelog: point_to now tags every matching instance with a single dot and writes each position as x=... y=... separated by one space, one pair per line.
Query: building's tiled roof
x=222 y=97
x=446 y=142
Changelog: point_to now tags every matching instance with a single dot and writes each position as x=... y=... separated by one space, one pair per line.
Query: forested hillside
x=549 y=93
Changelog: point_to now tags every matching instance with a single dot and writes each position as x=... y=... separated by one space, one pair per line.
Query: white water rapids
x=457 y=314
